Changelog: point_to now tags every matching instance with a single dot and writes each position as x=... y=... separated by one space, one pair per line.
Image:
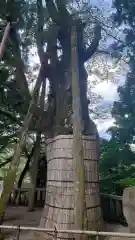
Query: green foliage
x=125 y=11
x=117 y=167
x=114 y=154
x=124 y=111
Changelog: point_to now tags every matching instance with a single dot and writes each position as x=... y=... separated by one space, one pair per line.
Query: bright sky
x=108 y=91
x=105 y=85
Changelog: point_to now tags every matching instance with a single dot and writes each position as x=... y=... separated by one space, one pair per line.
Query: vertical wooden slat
x=79 y=188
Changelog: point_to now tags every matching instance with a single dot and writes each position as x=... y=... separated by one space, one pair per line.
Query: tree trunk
x=59 y=205
x=33 y=171
x=21 y=178
x=42 y=173
x=22 y=175
x=36 y=154
x=25 y=170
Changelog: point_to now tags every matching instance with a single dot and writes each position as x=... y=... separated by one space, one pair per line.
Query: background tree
x=116 y=167
x=117 y=156
x=123 y=110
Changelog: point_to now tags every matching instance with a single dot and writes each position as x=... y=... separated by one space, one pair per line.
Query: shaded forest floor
x=20 y=216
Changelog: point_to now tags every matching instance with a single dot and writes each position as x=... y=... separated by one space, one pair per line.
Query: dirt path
x=117 y=228
x=20 y=216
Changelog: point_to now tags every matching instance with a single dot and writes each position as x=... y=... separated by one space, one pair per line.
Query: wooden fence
x=111 y=204
x=112 y=209
x=20 y=197
x=56 y=231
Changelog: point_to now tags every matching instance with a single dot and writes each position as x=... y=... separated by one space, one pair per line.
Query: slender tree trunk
x=42 y=173
x=77 y=140
x=25 y=170
x=33 y=171
x=11 y=174
x=21 y=178
x=36 y=155
x=22 y=175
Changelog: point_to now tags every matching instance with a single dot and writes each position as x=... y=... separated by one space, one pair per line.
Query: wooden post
x=77 y=140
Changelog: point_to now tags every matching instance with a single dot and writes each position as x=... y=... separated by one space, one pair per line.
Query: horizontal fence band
x=115 y=197
x=51 y=230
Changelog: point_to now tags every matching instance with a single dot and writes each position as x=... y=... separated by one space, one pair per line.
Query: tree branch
x=6 y=162
x=109 y=53
x=52 y=11
x=26 y=167
x=94 y=44
x=10 y=116
x=8 y=139
x=39 y=35
x=21 y=79
x=64 y=14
